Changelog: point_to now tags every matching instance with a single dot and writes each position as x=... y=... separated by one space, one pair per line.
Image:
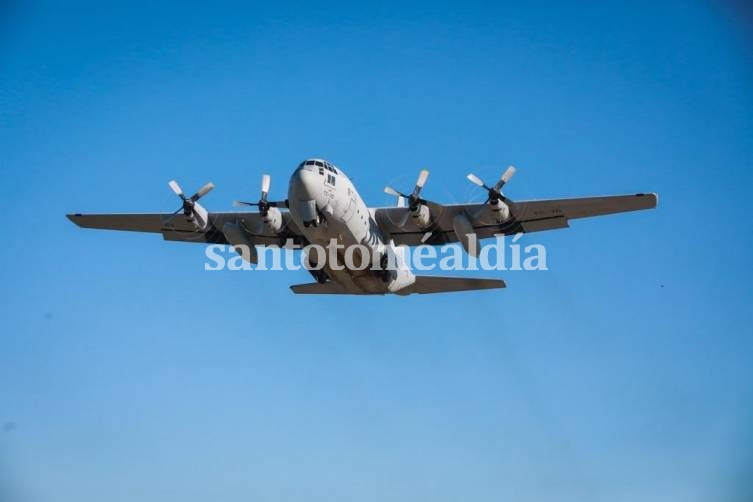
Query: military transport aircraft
x=323 y=204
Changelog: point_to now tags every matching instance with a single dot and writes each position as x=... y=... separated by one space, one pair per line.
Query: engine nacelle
x=273 y=220
x=500 y=210
x=200 y=217
x=421 y=216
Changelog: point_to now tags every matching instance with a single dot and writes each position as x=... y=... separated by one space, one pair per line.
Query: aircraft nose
x=303 y=185
x=305 y=189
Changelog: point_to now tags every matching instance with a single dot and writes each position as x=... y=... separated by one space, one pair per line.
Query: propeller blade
x=509 y=173
x=176 y=188
x=202 y=191
x=240 y=203
x=266 y=180
x=476 y=180
x=422 y=177
x=392 y=191
x=400 y=201
x=420 y=182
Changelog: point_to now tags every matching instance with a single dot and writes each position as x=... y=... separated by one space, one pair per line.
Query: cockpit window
x=330 y=167
x=321 y=164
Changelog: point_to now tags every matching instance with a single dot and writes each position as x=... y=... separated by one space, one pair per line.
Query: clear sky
x=623 y=373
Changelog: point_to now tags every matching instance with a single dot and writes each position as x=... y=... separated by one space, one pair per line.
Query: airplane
x=323 y=204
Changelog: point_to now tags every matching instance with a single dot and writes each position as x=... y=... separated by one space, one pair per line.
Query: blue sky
x=127 y=372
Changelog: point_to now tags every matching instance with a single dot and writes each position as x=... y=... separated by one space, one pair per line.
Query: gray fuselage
x=327 y=208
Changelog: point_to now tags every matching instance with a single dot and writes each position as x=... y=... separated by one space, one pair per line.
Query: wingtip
x=652 y=195
x=73 y=217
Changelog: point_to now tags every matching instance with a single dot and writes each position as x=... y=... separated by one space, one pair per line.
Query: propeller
x=189 y=202
x=413 y=199
x=495 y=192
x=264 y=203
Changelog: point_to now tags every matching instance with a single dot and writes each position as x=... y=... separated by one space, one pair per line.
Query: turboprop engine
x=419 y=209
x=194 y=212
x=271 y=217
x=498 y=203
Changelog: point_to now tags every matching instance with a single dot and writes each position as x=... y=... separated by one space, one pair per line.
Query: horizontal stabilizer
x=429 y=284
x=317 y=288
x=423 y=285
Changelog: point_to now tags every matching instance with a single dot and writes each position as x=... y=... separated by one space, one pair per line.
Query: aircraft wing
x=525 y=216
x=176 y=227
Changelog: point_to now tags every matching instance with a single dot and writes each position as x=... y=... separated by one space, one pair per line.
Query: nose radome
x=303 y=185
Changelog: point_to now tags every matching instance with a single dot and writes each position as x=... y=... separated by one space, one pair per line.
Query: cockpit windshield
x=322 y=164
